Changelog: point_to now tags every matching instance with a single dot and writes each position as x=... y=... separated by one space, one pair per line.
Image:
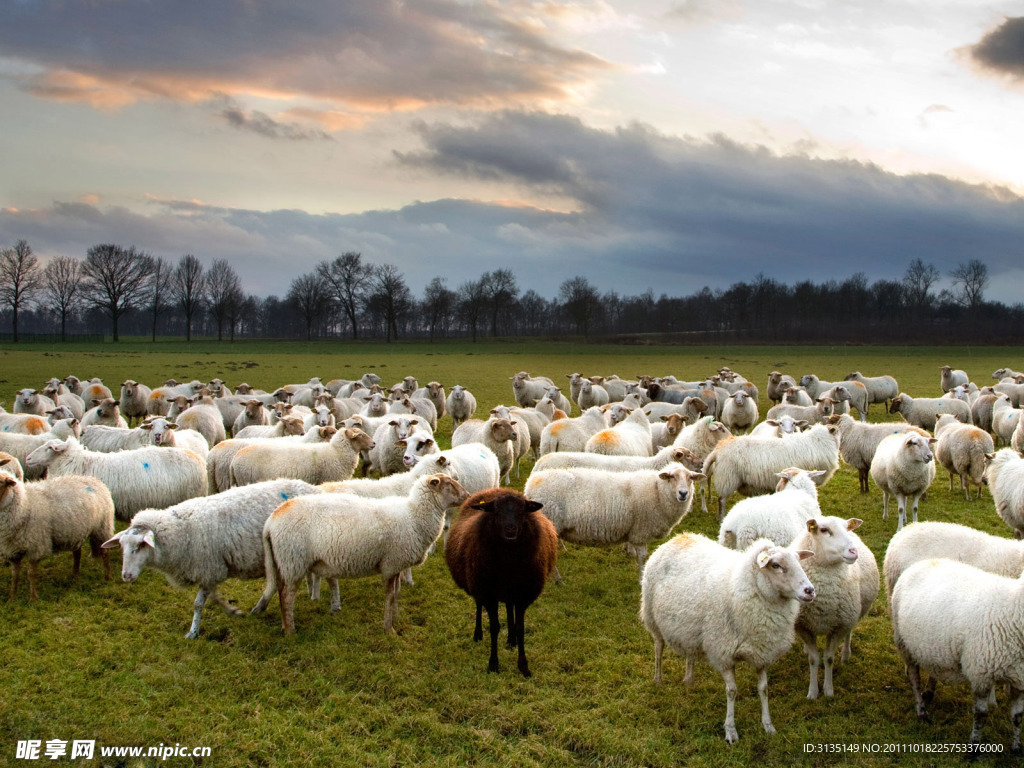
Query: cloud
x=264 y=125
x=645 y=210
x=387 y=55
x=1001 y=51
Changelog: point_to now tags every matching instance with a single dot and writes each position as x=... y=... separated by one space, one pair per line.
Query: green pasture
x=108 y=661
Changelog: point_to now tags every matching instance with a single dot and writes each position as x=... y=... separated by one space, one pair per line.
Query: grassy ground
x=107 y=661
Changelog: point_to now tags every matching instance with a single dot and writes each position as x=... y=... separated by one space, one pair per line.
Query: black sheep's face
x=508 y=514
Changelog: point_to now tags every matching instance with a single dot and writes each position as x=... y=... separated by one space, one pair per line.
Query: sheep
x=778 y=383
x=461 y=405
x=780 y=427
x=928 y=540
x=699 y=597
x=818 y=413
x=386 y=455
x=168 y=435
x=958 y=621
x=749 y=464
x=691 y=409
x=60 y=514
x=339 y=535
x=1005 y=478
x=1017 y=438
x=416 y=446
x=434 y=392
x=591 y=394
x=253 y=414
x=665 y=432
x=796 y=396
x=555 y=395
x=137 y=479
x=32 y=402
x=134 y=399
x=205 y=541
x=1014 y=388
x=218 y=461
x=527 y=391
x=664 y=457
x=701 y=438
x=663 y=394
x=56 y=391
x=616 y=388
x=780 y=516
x=10 y=466
x=523 y=442
x=344 y=388
x=881 y=389
x=23 y=423
x=20 y=446
x=321 y=416
x=289 y=426
x=951 y=378
x=739 y=413
x=500 y=550
x=1005 y=418
x=398 y=484
x=1006 y=373
x=419 y=407
x=106 y=413
x=923 y=411
x=816 y=387
x=204 y=417
x=571 y=434
x=497 y=434
x=981 y=411
x=845 y=577
x=903 y=467
x=850 y=394
x=594 y=507
x=159 y=403
x=616 y=413
x=631 y=437
x=964 y=451
x=858 y=442
x=104 y=439
x=532 y=421
x=313 y=462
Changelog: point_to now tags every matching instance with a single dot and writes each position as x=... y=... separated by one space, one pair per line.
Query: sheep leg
x=1016 y=712
x=33 y=580
x=492 y=617
x=688 y=677
x=885 y=505
x=659 y=649
x=197 y=612
x=478 y=630
x=980 y=715
x=813 y=659
x=105 y=554
x=286 y=594
x=901 y=506
x=391 y=586
x=510 y=619
x=731 y=736
x=228 y=607
x=951 y=473
x=520 y=613
x=914 y=675
x=762 y=692
x=76 y=563
x=862 y=475
x=558 y=575
x=16 y=576
x=335 y=595
x=847 y=647
x=407 y=576
x=917 y=500
x=832 y=643
x=313 y=586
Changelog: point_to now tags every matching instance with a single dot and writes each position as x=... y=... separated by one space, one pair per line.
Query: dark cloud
x=651 y=211
x=1002 y=50
x=264 y=125
x=379 y=55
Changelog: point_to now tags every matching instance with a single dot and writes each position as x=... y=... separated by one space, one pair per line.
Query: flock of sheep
x=279 y=500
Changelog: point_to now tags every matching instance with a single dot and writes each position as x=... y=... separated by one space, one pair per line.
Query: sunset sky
x=662 y=144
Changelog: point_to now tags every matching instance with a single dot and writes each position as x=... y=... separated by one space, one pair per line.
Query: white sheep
x=527 y=391
x=957 y=621
x=845 y=577
x=461 y=404
x=665 y=431
x=859 y=441
x=60 y=395
x=664 y=457
x=951 y=378
x=780 y=427
x=1005 y=477
x=497 y=434
x=23 y=423
x=750 y=464
x=846 y=395
x=289 y=426
x=419 y=406
x=904 y=467
x=780 y=516
x=595 y=507
x=523 y=441
x=168 y=435
x=204 y=417
x=739 y=413
x=631 y=437
x=434 y=392
x=881 y=389
x=778 y=383
x=923 y=411
x=137 y=479
x=134 y=399
x=104 y=439
x=203 y=542
x=571 y=434
x=533 y=420
x=336 y=535
x=60 y=514
x=963 y=450
x=252 y=414
x=701 y=598
x=1005 y=418
x=928 y=540
x=591 y=394
x=1001 y=374
x=10 y=466
x=18 y=446
x=817 y=413
x=415 y=447
x=32 y=402
x=691 y=409
x=386 y=456
x=159 y=402
x=555 y=395
x=701 y=438
x=219 y=458
x=105 y=412
x=314 y=463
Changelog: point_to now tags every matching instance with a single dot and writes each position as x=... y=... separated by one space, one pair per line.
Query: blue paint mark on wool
x=145 y=465
x=284 y=496
x=89 y=489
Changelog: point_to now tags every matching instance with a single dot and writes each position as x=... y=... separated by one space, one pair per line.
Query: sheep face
x=832 y=540
x=680 y=480
x=416 y=446
x=45 y=453
x=507 y=513
x=616 y=413
x=896 y=405
x=138 y=548
x=918 y=448
x=160 y=431
x=779 y=572
x=27 y=396
x=448 y=490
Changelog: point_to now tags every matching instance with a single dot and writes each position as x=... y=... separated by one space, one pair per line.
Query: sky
x=650 y=144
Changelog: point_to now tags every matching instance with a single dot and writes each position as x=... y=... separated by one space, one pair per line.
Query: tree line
x=125 y=290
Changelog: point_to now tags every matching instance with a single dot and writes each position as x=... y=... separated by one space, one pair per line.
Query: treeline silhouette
x=120 y=290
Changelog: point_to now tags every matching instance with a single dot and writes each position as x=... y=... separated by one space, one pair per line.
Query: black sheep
x=501 y=550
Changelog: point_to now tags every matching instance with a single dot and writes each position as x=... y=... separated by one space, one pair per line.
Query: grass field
x=107 y=660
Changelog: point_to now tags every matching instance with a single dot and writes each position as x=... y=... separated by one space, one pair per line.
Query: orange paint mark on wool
x=284 y=508
x=608 y=438
x=556 y=428
x=36 y=425
x=683 y=541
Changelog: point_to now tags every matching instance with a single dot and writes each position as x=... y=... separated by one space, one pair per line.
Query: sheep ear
x=763 y=558
x=401 y=444
x=442 y=461
x=150 y=539
x=435 y=481
x=812 y=525
x=663 y=418
x=698 y=476
x=114 y=541
x=817 y=473
x=147 y=426
x=428 y=441
x=854 y=523
x=483 y=506
x=666 y=476
x=97 y=401
x=533 y=506
x=990 y=456
x=803 y=554
x=4 y=461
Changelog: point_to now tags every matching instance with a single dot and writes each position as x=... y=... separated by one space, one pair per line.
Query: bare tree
x=391 y=297
x=115 y=280
x=310 y=297
x=581 y=301
x=159 y=288
x=188 y=286
x=223 y=291
x=21 y=277
x=969 y=283
x=917 y=282
x=438 y=305
x=349 y=281
x=245 y=306
x=502 y=292
x=472 y=297
x=62 y=283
